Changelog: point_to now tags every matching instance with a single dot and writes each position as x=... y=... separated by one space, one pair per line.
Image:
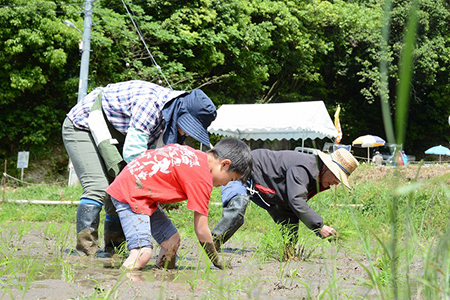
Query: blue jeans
x=234 y=188
x=139 y=228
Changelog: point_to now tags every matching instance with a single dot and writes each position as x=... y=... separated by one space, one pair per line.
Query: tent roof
x=275 y=121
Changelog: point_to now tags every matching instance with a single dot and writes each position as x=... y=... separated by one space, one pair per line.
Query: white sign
x=22 y=160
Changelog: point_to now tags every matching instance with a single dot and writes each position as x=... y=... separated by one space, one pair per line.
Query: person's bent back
x=172 y=174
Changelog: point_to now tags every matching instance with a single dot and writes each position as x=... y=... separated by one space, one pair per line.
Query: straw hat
x=341 y=163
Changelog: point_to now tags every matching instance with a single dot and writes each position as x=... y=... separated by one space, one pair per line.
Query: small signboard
x=22 y=160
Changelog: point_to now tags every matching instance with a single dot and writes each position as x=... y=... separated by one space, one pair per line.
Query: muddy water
x=34 y=267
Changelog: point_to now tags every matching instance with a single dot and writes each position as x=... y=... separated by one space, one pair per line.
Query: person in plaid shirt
x=113 y=125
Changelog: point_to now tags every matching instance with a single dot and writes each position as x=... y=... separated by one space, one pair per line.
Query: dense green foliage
x=237 y=51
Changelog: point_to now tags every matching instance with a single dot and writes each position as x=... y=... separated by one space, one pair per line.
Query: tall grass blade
x=384 y=73
x=406 y=67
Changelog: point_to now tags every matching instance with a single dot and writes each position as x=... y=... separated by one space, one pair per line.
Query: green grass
x=45 y=192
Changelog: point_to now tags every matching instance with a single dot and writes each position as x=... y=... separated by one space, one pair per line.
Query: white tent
x=275 y=121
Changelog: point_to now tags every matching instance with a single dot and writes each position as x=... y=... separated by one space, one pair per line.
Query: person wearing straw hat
x=282 y=182
x=113 y=125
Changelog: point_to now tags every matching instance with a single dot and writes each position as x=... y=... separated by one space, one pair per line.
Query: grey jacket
x=288 y=178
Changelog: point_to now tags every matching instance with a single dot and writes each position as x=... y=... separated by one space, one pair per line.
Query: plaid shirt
x=135 y=103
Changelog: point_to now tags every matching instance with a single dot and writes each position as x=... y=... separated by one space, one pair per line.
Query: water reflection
x=89 y=272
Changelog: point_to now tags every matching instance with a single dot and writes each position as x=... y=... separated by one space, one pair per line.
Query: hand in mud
x=222 y=264
x=214 y=256
x=328 y=232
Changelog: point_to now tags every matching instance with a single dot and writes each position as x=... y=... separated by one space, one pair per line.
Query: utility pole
x=84 y=70
x=86 y=49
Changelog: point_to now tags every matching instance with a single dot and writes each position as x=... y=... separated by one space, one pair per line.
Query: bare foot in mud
x=166 y=262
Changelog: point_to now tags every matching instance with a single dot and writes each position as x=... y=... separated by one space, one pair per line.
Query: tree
x=35 y=80
x=237 y=51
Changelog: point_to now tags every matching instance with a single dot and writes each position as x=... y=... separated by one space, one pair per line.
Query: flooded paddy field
x=36 y=267
x=366 y=261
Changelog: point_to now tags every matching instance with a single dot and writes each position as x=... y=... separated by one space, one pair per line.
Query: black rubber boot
x=232 y=220
x=88 y=218
x=113 y=236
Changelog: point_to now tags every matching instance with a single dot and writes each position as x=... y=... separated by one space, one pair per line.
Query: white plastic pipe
x=46 y=202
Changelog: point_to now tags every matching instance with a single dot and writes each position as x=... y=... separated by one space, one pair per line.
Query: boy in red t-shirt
x=172 y=174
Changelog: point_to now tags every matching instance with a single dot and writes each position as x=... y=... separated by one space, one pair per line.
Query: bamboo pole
x=349 y=205
x=56 y=202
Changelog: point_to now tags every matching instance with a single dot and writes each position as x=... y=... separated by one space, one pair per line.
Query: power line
x=143 y=41
x=33 y=6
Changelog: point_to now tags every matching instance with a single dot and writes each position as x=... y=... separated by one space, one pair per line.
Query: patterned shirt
x=166 y=175
x=135 y=104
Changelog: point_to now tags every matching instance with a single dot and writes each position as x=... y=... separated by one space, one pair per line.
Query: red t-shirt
x=166 y=175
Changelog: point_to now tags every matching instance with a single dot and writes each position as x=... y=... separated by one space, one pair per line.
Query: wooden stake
x=335 y=195
x=4 y=181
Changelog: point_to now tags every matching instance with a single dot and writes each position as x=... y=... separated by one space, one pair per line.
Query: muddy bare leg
x=168 y=252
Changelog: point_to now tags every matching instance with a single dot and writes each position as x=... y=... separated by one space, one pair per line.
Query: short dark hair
x=238 y=153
